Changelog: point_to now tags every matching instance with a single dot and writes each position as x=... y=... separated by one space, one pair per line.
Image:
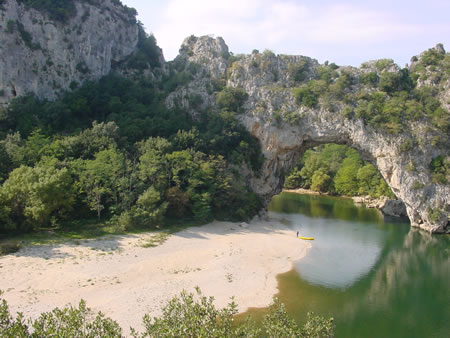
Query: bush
x=370 y=78
x=148 y=52
x=305 y=96
x=59 y=10
x=298 y=71
x=9 y=247
x=188 y=315
x=67 y=322
x=231 y=99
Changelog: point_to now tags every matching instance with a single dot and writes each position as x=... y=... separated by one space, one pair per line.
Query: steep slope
x=46 y=51
x=396 y=118
x=294 y=103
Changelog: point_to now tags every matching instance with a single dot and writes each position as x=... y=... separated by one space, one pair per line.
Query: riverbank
x=389 y=207
x=125 y=279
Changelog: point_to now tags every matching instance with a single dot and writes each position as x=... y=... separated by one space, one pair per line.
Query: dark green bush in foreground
x=184 y=316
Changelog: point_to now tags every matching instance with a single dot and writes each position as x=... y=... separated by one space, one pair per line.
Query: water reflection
x=376 y=278
x=347 y=241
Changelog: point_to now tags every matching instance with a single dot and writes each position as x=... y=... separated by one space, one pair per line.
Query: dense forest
x=338 y=170
x=112 y=150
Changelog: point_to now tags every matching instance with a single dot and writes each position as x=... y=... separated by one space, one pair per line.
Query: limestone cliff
x=44 y=56
x=283 y=105
x=286 y=128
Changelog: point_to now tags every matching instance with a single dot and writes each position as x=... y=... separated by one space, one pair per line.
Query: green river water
x=376 y=276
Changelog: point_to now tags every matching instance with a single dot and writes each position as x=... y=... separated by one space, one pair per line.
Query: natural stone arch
x=285 y=129
x=282 y=144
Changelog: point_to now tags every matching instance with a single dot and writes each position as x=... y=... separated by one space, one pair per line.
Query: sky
x=346 y=32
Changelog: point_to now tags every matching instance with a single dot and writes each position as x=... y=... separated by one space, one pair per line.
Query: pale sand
x=125 y=281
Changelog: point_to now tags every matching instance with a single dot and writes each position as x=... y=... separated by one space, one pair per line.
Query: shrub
x=188 y=315
x=231 y=99
x=370 y=78
x=10 y=26
x=382 y=64
x=9 y=247
x=440 y=170
x=82 y=67
x=59 y=10
x=389 y=82
x=417 y=185
x=298 y=71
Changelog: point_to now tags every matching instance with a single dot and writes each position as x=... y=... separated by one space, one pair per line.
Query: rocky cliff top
x=397 y=118
x=46 y=50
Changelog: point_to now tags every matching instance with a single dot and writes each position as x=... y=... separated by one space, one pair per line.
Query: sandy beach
x=124 y=280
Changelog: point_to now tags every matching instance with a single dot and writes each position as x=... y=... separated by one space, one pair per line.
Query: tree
x=231 y=99
x=35 y=195
x=345 y=181
x=368 y=179
x=99 y=178
x=320 y=181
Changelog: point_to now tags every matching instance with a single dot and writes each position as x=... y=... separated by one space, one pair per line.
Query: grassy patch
x=156 y=239
x=9 y=247
x=76 y=231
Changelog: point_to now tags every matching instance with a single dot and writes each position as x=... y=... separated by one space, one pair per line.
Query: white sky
x=347 y=32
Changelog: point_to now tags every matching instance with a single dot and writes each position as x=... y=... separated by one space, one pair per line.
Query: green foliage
x=327 y=73
x=59 y=10
x=34 y=196
x=382 y=64
x=189 y=317
x=305 y=96
x=346 y=181
x=440 y=169
x=432 y=57
x=320 y=181
x=196 y=316
x=389 y=82
x=9 y=247
x=336 y=169
x=417 y=185
x=26 y=37
x=370 y=78
x=82 y=67
x=99 y=178
x=231 y=99
x=67 y=322
x=298 y=71
x=64 y=10
x=10 y=26
x=148 y=53
x=434 y=214
x=186 y=315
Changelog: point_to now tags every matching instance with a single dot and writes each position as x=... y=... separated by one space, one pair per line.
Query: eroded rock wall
x=286 y=129
x=45 y=57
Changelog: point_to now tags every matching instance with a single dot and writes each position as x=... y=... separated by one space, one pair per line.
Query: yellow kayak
x=306 y=238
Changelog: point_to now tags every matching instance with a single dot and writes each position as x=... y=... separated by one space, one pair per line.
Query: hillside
x=213 y=110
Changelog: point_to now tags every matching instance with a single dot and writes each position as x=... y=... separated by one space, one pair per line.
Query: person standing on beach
x=297 y=233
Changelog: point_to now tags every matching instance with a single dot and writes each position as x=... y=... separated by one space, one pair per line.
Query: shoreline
x=124 y=280
x=388 y=207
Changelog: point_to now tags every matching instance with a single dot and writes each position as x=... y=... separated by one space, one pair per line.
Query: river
x=376 y=276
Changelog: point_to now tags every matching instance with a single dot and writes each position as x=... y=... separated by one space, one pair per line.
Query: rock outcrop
x=44 y=56
x=389 y=207
x=286 y=129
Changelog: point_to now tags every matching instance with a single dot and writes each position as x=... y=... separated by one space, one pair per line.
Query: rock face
x=394 y=208
x=43 y=56
x=388 y=207
x=286 y=129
